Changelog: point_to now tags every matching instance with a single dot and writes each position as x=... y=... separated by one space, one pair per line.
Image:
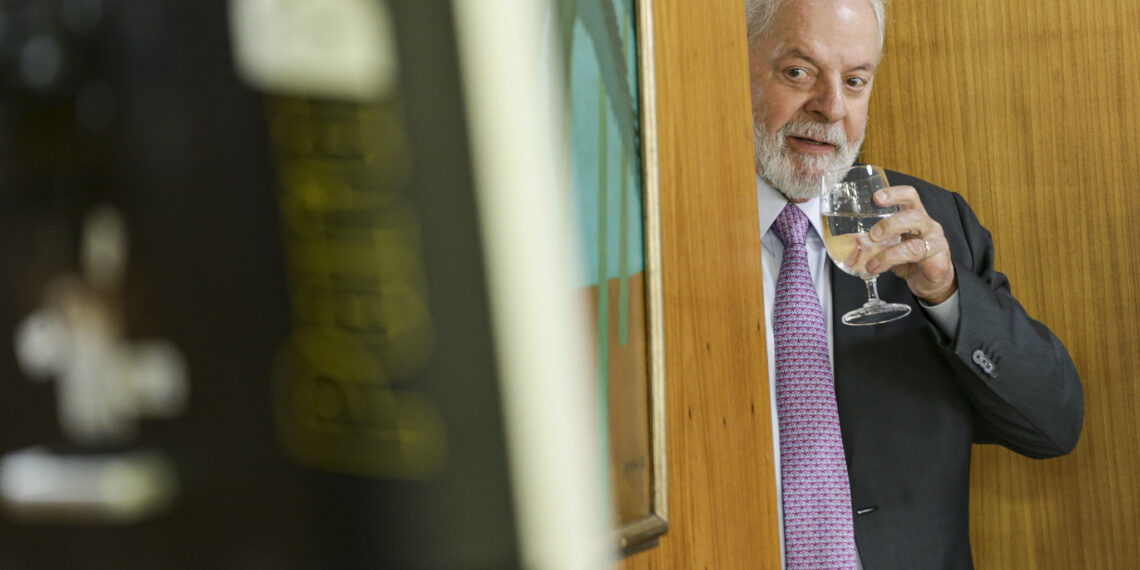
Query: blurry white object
x=331 y=48
x=540 y=334
x=36 y=484
x=104 y=382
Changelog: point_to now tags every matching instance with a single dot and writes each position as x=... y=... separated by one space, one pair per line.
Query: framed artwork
x=609 y=82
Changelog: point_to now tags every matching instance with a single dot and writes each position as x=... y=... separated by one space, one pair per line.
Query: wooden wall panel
x=1029 y=108
x=722 y=501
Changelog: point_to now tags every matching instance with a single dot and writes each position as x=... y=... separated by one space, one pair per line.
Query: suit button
x=984 y=362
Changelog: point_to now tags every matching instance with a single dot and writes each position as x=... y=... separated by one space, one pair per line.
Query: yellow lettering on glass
x=345 y=397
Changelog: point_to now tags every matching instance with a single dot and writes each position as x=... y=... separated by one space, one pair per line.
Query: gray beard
x=802 y=179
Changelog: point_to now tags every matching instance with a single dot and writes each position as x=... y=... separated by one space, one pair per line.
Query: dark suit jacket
x=911 y=401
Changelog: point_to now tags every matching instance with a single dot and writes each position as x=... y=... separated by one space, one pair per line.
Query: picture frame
x=646 y=531
x=610 y=88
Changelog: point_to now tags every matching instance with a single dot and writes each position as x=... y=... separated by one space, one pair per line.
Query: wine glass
x=849 y=210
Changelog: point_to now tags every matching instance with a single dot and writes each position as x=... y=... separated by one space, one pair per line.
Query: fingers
x=905 y=224
x=919 y=237
x=905 y=197
x=914 y=250
x=911 y=220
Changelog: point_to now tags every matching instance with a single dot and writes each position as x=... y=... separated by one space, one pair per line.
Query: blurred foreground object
x=315 y=251
x=104 y=384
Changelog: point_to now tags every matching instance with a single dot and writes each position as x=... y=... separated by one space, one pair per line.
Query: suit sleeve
x=1024 y=388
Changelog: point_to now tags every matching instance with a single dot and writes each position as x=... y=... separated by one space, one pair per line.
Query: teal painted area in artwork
x=605 y=150
x=605 y=159
x=605 y=202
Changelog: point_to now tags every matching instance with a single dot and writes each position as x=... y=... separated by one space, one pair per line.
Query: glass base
x=876 y=312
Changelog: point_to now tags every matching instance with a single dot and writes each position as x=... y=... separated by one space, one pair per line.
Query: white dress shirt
x=771 y=202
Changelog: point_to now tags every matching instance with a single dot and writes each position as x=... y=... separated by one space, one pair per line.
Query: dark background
x=185 y=157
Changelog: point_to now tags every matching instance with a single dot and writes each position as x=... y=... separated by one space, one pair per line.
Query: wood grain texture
x=722 y=501
x=1029 y=109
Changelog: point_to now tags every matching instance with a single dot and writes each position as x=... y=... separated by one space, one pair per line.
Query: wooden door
x=1029 y=109
x=722 y=498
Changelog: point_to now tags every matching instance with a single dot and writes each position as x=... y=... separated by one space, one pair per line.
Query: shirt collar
x=771 y=201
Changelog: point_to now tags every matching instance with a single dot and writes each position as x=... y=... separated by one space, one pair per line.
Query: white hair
x=761 y=12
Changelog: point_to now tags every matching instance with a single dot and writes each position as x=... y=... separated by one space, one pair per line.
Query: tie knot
x=791 y=226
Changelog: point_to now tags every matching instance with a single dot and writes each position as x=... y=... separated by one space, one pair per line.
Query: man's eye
x=856 y=82
x=796 y=73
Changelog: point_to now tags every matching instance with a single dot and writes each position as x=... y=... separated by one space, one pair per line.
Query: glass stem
x=872 y=290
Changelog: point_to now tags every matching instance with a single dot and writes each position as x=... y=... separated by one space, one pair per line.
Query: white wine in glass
x=849 y=211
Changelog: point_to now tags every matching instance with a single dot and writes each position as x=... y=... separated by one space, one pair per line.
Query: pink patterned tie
x=818 y=528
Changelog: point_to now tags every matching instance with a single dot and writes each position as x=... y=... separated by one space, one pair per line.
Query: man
x=967 y=365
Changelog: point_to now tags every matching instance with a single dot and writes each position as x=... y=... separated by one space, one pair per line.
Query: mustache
x=822 y=132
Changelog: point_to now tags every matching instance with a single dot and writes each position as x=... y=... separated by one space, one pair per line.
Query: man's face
x=811 y=82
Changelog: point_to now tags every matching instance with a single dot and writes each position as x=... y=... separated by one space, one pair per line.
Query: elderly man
x=875 y=467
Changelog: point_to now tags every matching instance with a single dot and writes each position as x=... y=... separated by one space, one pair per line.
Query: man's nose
x=828 y=102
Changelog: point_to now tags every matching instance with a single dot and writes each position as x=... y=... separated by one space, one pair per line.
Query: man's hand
x=922 y=257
